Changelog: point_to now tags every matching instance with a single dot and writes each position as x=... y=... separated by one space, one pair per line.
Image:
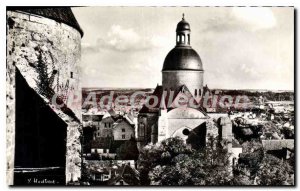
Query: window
x=71 y=74
x=123 y=136
x=142 y=130
x=199 y=92
x=98 y=134
x=189 y=38
x=104 y=124
x=195 y=92
x=186 y=132
x=123 y=130
x=177 y=38
x=183 y=39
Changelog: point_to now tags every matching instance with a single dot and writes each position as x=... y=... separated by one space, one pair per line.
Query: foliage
x=128 y=150
x=274 y=171
x=288 y=133
x=252 y=156
x=242 y=177
x=159 y=154
x=252 y=146
x=86 y=177
x=174 y=163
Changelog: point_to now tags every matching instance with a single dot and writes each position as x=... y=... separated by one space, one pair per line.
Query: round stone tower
x=182 y=65
x=43 y=55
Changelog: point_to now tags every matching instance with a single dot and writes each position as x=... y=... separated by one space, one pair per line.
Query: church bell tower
x=182 y=65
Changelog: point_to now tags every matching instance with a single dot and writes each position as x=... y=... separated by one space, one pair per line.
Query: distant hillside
x=272 y=95
x=253 y=95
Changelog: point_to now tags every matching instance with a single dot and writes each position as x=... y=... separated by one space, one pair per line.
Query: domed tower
x=182 y=65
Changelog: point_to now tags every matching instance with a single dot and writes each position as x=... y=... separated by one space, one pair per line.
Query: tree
x=128 y=150
x=242 y=176
x=252 y=146
x=159 y=154
x=274 y=171
x=216 y=162
x=174 y=163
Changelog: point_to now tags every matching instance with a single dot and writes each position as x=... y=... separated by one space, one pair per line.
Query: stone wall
x=174 y=124
x=47 y=54
x=147 y=120
x=192 y=79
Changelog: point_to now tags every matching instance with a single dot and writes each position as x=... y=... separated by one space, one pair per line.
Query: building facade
x=178 y=112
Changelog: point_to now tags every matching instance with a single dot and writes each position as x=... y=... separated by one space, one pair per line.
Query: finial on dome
x=182 y=16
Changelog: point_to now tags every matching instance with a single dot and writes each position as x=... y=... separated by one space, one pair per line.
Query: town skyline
x=261 y=35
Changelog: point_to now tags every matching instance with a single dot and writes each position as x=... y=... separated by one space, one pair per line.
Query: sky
x=240 y=47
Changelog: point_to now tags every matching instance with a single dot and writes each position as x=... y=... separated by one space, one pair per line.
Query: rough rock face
x=47 y=54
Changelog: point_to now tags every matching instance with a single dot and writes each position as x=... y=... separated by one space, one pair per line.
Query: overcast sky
x=240 y=48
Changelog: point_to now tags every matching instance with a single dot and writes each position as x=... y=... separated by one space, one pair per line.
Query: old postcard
x=143 y=96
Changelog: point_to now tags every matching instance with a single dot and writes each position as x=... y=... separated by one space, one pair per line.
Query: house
x=113 y=133
x=101 y=148
x=91 y=120
x=282 y=149
x=126 y=176
x=123 y=130
x=113 y=172
x=104 y=127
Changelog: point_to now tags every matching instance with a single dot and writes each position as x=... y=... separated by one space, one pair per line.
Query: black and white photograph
x=194 y=96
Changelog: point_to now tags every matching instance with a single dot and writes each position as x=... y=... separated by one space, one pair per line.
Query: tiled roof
x=101 y=143
x=166 y=102
x=278 y=144
x=92 y=117
x=59 y=14
x=127 y=174
x=236 y=144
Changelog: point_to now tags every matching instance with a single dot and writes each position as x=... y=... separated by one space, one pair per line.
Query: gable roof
x=92 y=118
x=122 y=121
x=236 y=144
x=166 y=99
x=278 y=144
x=127 y=174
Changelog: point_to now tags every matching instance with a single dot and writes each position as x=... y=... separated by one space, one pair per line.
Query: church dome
x=182 y=26
x=182 y=58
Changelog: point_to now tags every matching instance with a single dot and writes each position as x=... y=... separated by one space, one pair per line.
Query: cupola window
x=183 y=39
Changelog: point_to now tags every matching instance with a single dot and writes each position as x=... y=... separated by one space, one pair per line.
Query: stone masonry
x=47 y=54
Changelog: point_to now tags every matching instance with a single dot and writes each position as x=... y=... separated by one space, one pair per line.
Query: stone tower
x=43 y=54
x=182 y=65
